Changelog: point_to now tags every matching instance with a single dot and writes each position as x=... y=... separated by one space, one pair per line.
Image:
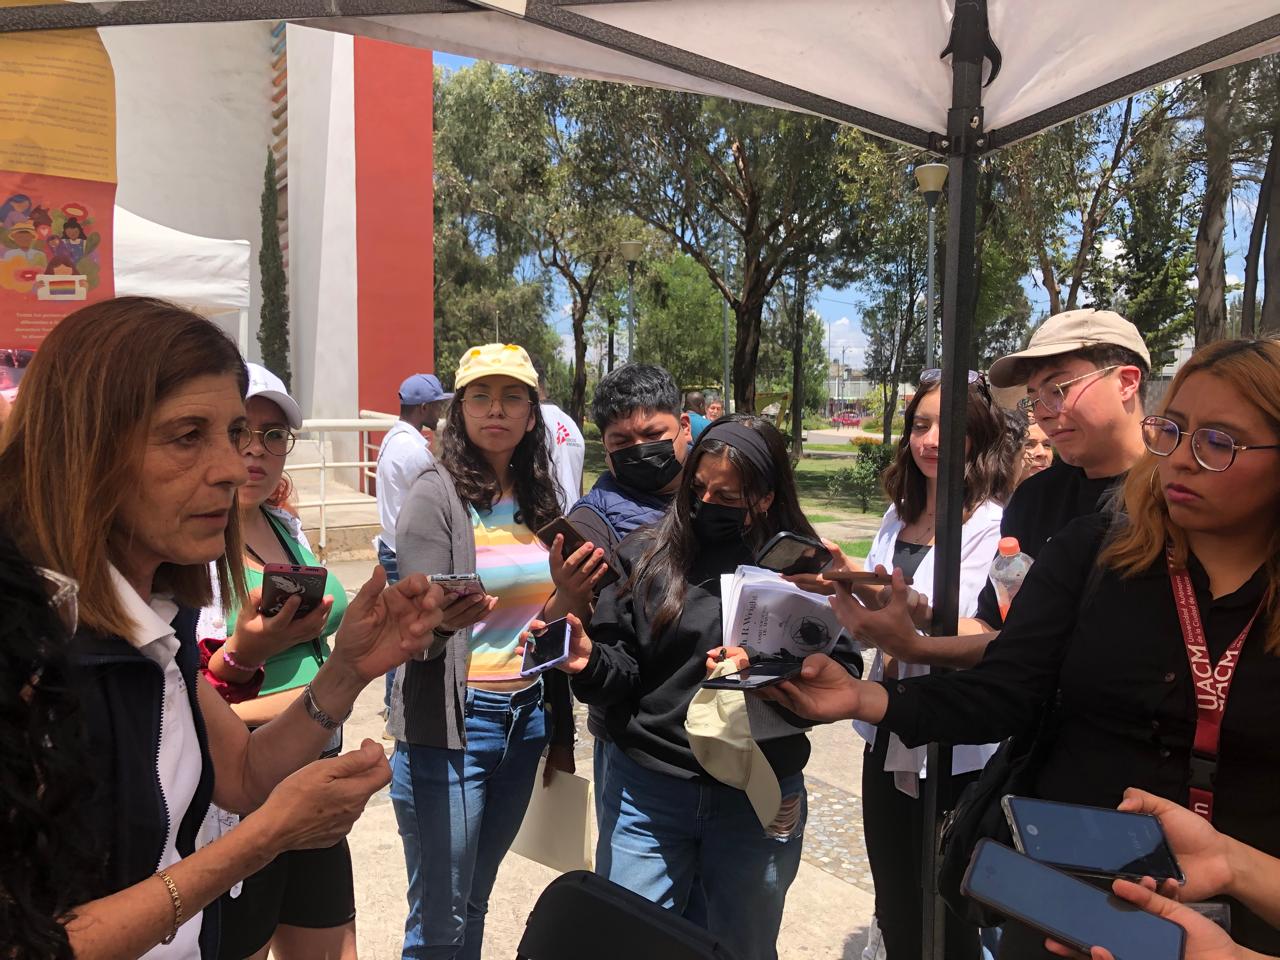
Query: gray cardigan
x=429 y=697
x=433 y=535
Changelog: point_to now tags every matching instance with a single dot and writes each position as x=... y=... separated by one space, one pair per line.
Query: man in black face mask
x=646 y=438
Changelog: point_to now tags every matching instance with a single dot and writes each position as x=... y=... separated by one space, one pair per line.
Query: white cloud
x=1233 y=280
x=1112 y=248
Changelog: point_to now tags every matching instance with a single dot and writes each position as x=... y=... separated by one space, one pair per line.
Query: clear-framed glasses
x=934 y=375
x=278 y=441
x=513 y=405
x=1054 y=396
x=1213 y=449
x=64 y=596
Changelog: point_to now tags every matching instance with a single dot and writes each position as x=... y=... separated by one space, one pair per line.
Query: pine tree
x=273 y=331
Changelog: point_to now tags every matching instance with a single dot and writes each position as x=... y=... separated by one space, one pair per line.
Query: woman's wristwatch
x=318 y=715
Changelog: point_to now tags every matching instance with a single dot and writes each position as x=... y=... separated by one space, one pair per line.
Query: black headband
x=750 y=443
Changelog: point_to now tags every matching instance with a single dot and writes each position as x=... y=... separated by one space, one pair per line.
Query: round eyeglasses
x=278 y=441
x=481 y=404
x=1054 y=396
x=1213 y=449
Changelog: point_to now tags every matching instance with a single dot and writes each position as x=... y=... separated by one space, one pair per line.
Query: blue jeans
x=659 y=836
x=466 y=806
x=387 y=558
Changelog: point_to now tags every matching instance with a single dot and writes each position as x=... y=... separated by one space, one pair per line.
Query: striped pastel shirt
x=513 y=566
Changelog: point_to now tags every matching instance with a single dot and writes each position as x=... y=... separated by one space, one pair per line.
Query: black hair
x=664 y=568
x=989 y=474
x=633 y=387
x=1100 y=355
x=45 y=865
x=693 y=399
x=536 y=487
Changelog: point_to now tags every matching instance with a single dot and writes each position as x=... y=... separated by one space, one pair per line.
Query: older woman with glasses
x=1143 y=649
x=303 y=903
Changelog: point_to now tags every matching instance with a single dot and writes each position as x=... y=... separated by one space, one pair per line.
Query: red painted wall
x=394 y=245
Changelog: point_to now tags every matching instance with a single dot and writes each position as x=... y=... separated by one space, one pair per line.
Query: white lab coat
x=979 y=539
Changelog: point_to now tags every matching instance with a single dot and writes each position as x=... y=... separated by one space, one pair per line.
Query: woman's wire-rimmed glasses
x=481 y=404
x=1056 y=398
x=1213 y=449
x=278 y=441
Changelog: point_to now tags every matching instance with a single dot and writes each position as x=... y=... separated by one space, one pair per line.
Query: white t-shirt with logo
x=568 y=450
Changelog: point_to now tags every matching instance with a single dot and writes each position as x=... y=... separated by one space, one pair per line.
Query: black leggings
x=893 y=825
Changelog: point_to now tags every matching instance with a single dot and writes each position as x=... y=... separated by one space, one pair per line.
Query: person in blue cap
x=402 y=456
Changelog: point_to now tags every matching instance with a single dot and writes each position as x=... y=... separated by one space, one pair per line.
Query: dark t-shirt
x=907 y=556
x=1038 y=509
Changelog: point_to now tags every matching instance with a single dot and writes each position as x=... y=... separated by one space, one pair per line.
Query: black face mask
x=715 y=524
x=647 y=467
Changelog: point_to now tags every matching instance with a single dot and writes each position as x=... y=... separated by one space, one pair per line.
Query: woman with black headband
x=666 y=822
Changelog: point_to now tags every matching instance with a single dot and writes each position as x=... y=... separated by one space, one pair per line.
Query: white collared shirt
x=979 y=538
x=568 y=452
x=402 y=456
x=178 y=754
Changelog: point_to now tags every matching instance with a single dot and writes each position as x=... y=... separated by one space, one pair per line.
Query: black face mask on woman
x=647 y=467
x=714 y=523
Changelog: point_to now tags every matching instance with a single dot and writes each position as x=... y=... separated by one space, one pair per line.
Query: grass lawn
x=811 y=479
x=848 y=448
x=855 y=548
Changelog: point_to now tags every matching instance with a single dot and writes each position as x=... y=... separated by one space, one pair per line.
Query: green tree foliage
x=487 y=285
x=273 y=329
x=702 y=170
x=680 y=323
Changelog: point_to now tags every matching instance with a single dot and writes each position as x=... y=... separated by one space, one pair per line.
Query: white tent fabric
x=878 y=56
x=208 y=275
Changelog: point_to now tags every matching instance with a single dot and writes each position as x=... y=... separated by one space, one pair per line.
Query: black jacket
x=645 y=681
x=1126 y=711
x=122 y=697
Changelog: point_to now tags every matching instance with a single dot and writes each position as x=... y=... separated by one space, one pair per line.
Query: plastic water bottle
x=1007 y=573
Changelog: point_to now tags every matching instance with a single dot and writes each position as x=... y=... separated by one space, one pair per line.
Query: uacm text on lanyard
x=1212 y=685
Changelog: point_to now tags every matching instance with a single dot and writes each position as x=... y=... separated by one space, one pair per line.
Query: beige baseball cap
x=495 y=359
x=719 y=732
x=1064 y=333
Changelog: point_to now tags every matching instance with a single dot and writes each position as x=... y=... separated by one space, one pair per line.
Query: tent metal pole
x=963 y=144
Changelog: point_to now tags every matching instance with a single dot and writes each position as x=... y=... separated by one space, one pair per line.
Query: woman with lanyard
x=469 y=728
x=1157 y=669
x=667 y=822
x=303 y=903
x=121 y=489
x=891 y=772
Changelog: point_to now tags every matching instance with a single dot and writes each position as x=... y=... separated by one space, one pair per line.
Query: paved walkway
x=828 y=907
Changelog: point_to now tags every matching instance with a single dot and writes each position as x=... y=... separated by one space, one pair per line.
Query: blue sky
x=840 y=309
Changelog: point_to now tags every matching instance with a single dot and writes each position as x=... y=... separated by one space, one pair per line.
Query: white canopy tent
x=210 y=276
x=957 y=77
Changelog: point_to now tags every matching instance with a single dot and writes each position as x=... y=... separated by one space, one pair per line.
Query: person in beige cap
x=1085 y=374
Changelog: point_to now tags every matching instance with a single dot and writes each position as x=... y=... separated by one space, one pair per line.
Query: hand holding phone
x=1091 y=841
x=1068 y=910
x=791 y=553
x=280 y=581
x=766 y=673
x=465 y=600
x=546 y=648
x=578 y=647
x=569 y=566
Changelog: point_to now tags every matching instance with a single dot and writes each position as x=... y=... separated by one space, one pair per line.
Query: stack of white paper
x=771 y=616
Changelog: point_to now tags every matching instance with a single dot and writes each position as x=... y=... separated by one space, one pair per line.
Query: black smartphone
x=1091 y=841
x=573 y=539
x=458 y=584
x=280 y=581
x=547 y=648
x=763 y=674
x=790 y=553
x=1066 y=909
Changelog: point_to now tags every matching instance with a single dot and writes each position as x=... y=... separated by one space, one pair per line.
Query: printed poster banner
x=57 y=184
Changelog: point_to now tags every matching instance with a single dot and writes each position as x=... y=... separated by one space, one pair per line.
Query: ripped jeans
x=659 y=835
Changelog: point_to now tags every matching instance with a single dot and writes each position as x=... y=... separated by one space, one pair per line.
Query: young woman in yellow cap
x=469 y=729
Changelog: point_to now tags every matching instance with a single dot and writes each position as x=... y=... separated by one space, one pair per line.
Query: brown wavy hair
x=1252 y=367
x=537 y=503
x=988 y=473
x=75 y=443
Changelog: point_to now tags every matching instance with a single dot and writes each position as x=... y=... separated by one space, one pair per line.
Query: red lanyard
x=1212 y=682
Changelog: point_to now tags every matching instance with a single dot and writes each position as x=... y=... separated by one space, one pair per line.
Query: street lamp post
x=631 y=250
x=931 y=177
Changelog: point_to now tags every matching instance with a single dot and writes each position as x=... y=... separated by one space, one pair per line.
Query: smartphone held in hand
x=280 y=581
x=546 y=649
x=763 y=674
x=573 y=539
x=457 y=585
x=790 y=553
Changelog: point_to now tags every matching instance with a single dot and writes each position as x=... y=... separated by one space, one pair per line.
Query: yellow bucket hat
x=495 y=360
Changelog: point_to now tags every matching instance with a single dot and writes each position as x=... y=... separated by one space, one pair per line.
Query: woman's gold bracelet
x=176 y=897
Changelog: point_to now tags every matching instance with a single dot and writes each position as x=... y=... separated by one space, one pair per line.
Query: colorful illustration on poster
x=49 y=250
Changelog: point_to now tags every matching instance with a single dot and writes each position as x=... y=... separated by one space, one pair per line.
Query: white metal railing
x=369 y=422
